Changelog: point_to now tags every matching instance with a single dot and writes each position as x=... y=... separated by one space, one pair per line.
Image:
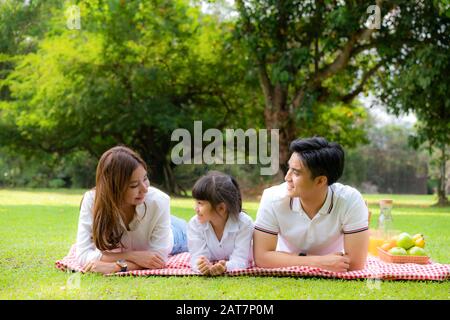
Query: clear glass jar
x=385 y=221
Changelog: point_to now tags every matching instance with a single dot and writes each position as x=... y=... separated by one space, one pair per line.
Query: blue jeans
x=179 y=227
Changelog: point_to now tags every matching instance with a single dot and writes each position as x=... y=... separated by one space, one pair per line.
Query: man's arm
x=356 y=246
x=264 y=246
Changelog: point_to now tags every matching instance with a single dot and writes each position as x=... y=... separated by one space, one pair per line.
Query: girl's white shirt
x=235 y=245
x=150 y=229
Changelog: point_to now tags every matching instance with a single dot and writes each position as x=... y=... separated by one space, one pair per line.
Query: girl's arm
x=241 y=255
x=196 y=243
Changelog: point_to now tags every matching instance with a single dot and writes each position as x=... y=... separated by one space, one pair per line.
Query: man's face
x=298 y=178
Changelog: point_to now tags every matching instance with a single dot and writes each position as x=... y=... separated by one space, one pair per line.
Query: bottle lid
x=386 y=203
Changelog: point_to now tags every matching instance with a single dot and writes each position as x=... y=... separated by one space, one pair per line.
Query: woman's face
x=137 y=187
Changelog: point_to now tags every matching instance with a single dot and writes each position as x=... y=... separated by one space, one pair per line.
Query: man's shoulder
x=346 y=193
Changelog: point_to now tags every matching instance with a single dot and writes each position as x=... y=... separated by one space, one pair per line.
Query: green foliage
x=133 y=74
x=74 y=170
x=419 y=83
x=387 y=163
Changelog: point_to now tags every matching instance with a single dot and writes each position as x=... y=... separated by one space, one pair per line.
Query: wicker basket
x=387 y=257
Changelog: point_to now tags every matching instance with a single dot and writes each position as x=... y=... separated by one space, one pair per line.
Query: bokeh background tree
x=137 y=70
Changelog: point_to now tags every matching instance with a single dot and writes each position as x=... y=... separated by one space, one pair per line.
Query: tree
x=133 y=74
x=387 y=164
x=421 y=84
x=322 y=53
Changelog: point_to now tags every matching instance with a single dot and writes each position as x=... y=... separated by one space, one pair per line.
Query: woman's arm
x=142 y=259
x=85 y=247
x=108 y=267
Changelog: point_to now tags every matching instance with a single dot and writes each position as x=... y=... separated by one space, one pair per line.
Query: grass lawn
x=37 y=227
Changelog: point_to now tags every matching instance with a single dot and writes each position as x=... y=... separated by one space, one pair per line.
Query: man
x=310 y=220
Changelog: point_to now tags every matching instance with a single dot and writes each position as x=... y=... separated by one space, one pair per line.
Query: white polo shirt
x=150 y=228
x=344 y=212
x=235 y=245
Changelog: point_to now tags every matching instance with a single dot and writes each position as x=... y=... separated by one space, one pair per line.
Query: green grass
x=37 y=227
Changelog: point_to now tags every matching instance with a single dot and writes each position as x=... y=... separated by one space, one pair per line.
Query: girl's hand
x=101 y=267
x=218 y=268
x=203 y=265
x=147 y=259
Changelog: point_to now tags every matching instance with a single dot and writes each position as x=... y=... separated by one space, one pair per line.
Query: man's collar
x=326 y=208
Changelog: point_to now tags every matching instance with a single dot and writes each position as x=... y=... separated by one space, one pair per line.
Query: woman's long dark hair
x=114 y=171
x=217 y=187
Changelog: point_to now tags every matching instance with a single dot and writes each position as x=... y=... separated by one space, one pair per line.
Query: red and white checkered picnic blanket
x=178 y=265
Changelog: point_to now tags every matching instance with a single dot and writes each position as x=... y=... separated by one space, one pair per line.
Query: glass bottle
x=385 y=221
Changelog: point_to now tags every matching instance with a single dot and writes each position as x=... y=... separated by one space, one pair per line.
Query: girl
x=220 y=231
x=124 y=223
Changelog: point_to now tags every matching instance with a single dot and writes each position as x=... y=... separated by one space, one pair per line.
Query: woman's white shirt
x=150 y=229
x=234 y=246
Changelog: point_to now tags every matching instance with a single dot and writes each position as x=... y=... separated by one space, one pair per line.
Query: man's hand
x=336 y=262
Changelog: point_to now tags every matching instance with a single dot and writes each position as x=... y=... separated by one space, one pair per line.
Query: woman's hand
x=204 y=265
x=336 y=262
x=218 y=268
x=101 y=267
x=147 y=259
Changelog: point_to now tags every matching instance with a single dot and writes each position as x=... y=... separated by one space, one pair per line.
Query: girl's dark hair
x=217 y=187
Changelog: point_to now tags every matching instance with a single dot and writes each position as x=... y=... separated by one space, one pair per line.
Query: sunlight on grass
x=41 y=197
x=38 y=227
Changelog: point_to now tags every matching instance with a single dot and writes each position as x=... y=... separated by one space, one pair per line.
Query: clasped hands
x=207 y=268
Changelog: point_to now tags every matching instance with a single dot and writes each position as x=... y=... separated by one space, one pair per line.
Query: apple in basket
x=398 y=251
x=405 y=241
x=417 y=251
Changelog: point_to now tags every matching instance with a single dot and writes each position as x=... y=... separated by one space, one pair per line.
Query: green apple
x=417 y=251
x=405 y=241
x=398 y=251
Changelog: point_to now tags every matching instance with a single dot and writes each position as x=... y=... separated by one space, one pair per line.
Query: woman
x=124 y=223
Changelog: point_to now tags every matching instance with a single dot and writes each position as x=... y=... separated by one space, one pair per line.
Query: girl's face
x=137 y=187
x=204 y=210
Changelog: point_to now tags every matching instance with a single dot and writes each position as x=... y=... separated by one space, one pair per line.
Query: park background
x=131 y=72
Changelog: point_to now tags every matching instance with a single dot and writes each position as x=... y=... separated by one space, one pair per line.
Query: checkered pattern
x=178 y=265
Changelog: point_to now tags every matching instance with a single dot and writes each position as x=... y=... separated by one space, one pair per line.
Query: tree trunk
x=442 y=197
x=279 y=119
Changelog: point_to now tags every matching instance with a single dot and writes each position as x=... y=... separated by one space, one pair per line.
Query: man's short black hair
x=322 y=158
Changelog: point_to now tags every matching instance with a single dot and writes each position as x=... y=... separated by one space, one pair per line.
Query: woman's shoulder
x=88 y=196
x=156 y=195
